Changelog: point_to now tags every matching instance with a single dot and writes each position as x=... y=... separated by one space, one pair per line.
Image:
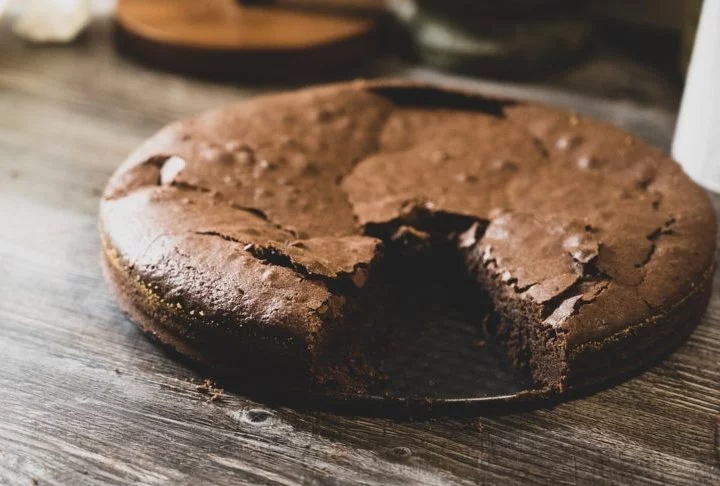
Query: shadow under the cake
x=438 y=349
x=438 y=357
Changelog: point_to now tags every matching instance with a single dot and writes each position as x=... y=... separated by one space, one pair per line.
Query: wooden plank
x=88 y=400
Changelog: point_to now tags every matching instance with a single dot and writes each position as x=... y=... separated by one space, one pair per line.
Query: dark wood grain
x=86 y=399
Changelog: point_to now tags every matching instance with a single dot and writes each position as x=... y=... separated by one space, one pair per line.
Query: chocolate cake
x=257 y=238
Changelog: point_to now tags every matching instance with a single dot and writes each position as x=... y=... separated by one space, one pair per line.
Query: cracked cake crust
x=254 y=233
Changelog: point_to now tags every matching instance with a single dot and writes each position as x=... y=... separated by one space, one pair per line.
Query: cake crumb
x=34 y=482
x=209 y=388
x=205 y=386
x=117 y=371
x=401 y=452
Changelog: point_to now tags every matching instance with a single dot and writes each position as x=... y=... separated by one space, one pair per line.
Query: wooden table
x=86 y=399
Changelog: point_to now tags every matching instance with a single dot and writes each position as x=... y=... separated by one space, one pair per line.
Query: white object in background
x=53 y=20
x=697 y=135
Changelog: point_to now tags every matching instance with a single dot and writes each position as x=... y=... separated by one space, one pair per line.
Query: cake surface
x=253 y=238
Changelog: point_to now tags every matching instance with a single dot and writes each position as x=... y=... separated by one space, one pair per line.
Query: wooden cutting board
x=249 y=41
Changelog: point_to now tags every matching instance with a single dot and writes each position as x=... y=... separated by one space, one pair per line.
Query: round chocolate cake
x=258 y=238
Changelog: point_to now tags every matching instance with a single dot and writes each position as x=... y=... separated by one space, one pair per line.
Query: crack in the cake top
x=590 y=271
x=665 y=229
x=221 y=198
x=425 y=96
x=571 y=304
x=192 y=187
x=273 y=253
x=354 y=163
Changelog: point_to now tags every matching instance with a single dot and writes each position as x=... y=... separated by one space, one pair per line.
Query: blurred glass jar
x=509 y=39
